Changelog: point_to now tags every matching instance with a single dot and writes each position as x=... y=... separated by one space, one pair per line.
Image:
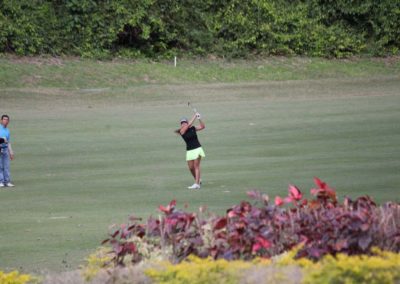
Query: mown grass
x=94 y=141
x=76 y=73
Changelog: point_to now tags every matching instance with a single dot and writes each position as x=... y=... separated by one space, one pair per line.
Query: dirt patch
x=39 y=61
x=388 y=61
x=31 y=80
x=40 y=91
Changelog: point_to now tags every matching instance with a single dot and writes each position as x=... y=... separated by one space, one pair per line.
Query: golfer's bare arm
x=201 y=126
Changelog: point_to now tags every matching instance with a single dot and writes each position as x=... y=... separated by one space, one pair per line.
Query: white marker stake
x=175 y=61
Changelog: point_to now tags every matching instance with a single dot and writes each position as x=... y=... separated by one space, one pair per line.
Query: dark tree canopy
x=229 y=28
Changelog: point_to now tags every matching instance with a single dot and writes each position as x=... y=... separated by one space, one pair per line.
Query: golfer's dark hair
x=5 y=116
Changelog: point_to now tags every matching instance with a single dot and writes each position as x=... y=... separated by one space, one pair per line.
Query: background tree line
x=229 y=28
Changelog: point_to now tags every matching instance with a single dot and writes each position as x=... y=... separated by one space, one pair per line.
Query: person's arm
x=187 y=126
x=202 y=125
x=10 y=151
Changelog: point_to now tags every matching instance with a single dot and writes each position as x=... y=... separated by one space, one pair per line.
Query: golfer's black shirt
x=190 y=138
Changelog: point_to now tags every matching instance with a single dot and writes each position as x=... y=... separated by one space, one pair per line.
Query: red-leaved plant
x=321 y=225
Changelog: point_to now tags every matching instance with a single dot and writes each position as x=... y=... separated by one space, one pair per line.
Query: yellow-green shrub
x=382 y=267
x=94 y=263
x=197 y=270
x=15 y=277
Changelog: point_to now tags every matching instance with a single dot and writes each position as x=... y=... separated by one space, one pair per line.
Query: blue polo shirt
x=4 y=132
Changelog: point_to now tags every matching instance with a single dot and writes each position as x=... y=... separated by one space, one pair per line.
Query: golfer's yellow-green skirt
x=194 y=154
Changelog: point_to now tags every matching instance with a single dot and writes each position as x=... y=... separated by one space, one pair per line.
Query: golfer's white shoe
x=194 y=186
x=1 y=184
x=9 y=184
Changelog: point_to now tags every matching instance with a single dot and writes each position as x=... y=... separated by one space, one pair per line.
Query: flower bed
x=322 y=226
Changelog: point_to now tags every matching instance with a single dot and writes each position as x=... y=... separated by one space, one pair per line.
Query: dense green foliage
x=234 y=28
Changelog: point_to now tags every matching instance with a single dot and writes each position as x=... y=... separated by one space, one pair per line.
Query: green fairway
x=90 y=153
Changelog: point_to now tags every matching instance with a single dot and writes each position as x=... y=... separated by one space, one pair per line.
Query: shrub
x=381 y=267
x=15 y=277
x=196 y=270
x=264 y=229
x=95 y=263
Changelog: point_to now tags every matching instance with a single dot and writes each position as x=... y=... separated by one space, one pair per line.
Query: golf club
x=192 y=107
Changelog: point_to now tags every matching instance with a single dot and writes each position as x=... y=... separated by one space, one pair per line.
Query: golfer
x=194 y=151
x=6 y=152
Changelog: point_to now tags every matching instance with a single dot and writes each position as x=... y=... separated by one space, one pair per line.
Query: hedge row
x=380 y=268
x=321 y=225
x=234 y=28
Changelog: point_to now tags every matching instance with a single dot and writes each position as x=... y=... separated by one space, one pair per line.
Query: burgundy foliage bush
x=321 y=226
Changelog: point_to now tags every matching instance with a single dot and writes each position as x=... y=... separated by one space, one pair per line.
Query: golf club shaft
x=192 y=107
